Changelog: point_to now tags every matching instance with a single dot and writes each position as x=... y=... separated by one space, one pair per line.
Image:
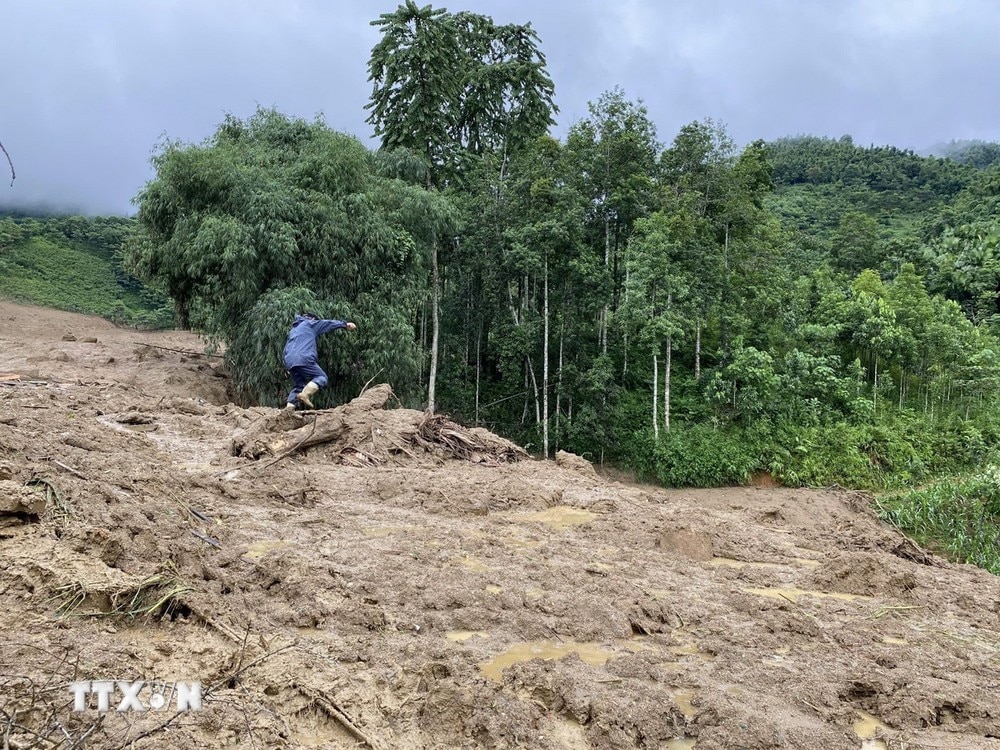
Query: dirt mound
x=407 y=582
x=364 y=433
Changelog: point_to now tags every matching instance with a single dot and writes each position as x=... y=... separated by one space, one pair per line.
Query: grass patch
x=957 y=517
x=69 y=277
x=150 y=596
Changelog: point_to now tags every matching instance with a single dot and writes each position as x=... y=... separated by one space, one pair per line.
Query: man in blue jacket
x=301 y=357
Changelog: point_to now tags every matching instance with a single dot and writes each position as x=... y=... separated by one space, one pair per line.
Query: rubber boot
x=290 y=406
x=308 y=391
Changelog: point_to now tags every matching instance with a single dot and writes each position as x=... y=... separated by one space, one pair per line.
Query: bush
x=693 y=456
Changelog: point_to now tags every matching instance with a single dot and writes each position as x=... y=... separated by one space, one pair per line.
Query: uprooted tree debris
x=365 y=432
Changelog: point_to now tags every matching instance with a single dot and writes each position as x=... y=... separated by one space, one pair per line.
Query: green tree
x=450 y=86
x=856 y=243
x=275 y=212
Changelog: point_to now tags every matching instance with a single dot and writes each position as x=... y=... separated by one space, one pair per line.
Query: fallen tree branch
x=70 y=469
x=12 y=174
x=335 y=712
x=191 y=352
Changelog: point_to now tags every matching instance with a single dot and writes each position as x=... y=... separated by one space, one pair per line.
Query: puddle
x=518 y=543
x=728 y=562
x=681 y=743
x=566 y=733
x=259 y=549
x=493 y=589
x=559 y=516
x=865 y=728
x=383 y=531
x=690 y=649
x=683 y=700
x=534 y=593
x=895 y=641
x=590 y=653
x=793 y=594
x=460 y=636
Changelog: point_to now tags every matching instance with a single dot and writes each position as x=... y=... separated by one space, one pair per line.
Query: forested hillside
x=75 y=263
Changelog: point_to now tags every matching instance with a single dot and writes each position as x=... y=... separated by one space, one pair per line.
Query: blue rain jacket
x=300 y=349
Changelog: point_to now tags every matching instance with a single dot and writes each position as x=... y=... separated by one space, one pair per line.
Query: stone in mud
x=18 y=500
x=576 y=463
x=693 y=545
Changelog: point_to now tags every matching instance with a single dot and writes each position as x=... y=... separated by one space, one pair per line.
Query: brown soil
x=407 y=583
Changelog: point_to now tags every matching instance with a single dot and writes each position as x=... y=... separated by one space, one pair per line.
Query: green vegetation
x=957 y=517
x=74 y=263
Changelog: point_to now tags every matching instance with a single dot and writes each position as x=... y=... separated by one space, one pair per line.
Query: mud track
x=414 y=584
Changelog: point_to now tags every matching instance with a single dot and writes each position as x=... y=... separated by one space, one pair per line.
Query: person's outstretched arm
x=325 y=326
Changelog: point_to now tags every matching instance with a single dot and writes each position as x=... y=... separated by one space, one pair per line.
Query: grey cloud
x=91 y=89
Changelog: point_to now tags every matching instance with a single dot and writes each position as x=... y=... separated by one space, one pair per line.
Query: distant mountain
x=980 y=154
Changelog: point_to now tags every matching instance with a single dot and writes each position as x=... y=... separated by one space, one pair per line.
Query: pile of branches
x=436 y=432
x=366 y=433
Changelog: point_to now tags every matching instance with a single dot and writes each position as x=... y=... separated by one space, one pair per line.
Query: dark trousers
x=302 y=374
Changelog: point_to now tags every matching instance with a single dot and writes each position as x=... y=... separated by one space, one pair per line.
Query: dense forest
x=692 y=310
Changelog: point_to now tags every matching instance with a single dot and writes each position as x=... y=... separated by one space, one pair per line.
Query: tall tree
x=450 y=86
x=616 y=151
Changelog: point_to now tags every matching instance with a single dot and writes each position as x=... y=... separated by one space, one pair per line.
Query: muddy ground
x=410 y=584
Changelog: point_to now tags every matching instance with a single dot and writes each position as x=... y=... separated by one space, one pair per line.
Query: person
x=300 y=357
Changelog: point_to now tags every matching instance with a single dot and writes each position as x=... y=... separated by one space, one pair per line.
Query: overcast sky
x=91 y=87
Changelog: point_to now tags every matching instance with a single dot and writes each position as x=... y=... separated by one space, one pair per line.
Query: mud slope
x=363 y=577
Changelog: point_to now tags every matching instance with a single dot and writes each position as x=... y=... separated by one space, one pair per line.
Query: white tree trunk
x=435 y=326
x=607 y=265
x=656 y=397
x=559 y=380
x=666 y=385
x=697 y=351
x=545 y=362
x=479 y=366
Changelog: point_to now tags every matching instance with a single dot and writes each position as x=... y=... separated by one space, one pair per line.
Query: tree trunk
x=559 y=381
x=625 y=336
x=545 y=362
x=607 y=264
x=666 y=384
x=875 y=390
x=435 y=326
x=724 y=306
x=656 y=398
x=534 y=388
x=697 y=351
x=479 y=367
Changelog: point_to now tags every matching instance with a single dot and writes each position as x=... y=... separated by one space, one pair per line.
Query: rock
x=68 y=337
x=16 y=499
x=575 y=463
x=81 y=442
